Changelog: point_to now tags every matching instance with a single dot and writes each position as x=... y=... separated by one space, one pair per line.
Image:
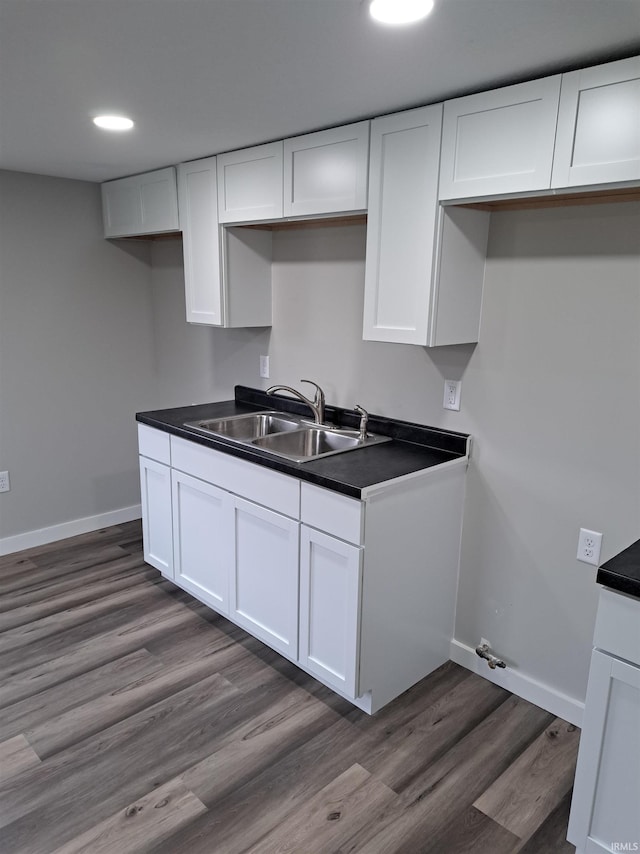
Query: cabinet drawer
x=272 y=489
x=618 y=625
x=331 y=512
x=154 y=444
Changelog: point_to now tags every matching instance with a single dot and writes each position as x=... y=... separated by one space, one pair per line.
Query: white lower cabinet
x=202 y=514
x=605 y=810
x=155 y=493
x=359 y=593
x=330 y=583
x=264 y=569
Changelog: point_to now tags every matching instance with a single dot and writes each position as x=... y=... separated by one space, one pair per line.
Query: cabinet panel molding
x=401 y=230
x=500 y=141
x=198 y=197
x=330 y=582
x=155 y=493
x=202 y=516
x=326 y=172
x=598 y=139
x=264 y=582
x=250 y=184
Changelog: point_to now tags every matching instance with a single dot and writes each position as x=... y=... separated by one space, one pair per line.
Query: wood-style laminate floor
x=134 y=719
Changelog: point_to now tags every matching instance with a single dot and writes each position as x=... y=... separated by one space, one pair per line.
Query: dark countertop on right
x=622 y=572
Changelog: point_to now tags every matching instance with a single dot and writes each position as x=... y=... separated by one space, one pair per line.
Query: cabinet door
x=155 y=490
x=250 y=184
x=401 y=229
x=198 y=197
x=598 y=138
x=499 y=141
x=606 y=794
x=202 y=519
x=264 y=587
x=330 y=582
x=326 y=172
x=142 y=204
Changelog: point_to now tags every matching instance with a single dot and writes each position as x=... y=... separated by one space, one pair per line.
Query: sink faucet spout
x=316 y=405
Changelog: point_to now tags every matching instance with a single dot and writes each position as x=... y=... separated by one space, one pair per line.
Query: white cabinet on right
x=598 y=139
x=605 y=810
x=501 y=141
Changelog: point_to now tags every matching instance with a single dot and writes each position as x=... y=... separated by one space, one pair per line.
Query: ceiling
x=204 y=76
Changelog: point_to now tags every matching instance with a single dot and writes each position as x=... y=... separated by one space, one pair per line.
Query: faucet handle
x=319 y=396
x=364 y=418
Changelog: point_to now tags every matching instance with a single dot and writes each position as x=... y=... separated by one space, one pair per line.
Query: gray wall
x=195 y=364
x=76 y=354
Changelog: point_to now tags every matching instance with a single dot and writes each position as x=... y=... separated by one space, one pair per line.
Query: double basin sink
x=286 y=435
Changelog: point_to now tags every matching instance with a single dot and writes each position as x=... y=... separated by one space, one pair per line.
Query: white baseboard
x=42 y=536
x=524 y=686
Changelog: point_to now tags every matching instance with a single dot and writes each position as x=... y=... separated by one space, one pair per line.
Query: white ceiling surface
x=204 y=76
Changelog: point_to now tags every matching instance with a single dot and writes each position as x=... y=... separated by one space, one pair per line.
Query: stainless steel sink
x=246 y=427
x=285 y=435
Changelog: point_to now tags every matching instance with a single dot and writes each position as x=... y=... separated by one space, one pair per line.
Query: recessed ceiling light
x=400 y=11
x=113 y=122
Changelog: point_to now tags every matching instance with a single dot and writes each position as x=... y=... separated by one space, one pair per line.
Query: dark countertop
x=414 y=448
x=622 y=572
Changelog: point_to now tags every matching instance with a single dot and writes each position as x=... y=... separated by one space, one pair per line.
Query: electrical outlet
x=452 y=389
x=589 y=545
x=5 y=485
x=264 y=367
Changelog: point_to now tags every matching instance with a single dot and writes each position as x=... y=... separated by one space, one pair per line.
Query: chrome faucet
x=316 y=405
x=364 y=418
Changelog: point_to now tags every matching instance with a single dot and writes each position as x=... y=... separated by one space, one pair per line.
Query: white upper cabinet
x=250 y=184
x=598 y=138
x=326 y=172
x=198 y=197
x=227 y=271
x=499 y=141
x=401 y=227
x=424 y=264
x=142 y=204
